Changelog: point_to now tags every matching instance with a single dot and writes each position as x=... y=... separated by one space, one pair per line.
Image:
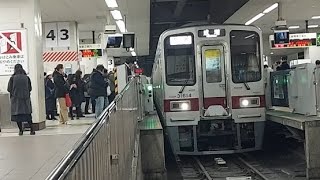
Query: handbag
x=68 y=100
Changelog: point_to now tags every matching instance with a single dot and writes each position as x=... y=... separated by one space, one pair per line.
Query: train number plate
x=187 y=95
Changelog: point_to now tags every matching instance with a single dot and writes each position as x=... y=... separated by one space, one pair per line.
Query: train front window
x=245 y=56
x=180 y=60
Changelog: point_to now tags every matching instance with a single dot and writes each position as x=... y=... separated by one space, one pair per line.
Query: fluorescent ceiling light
x=116 y=14
x=133 y=53
x=111 y=3
x=121 y=26
x=254 y=19
x=271 y=8
x=315 y=17
x=294 y=27
x=313 y=26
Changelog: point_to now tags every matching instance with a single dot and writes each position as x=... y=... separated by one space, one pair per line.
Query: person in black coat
x=19 y=87
x=97 y=89
x=51 y=102
x=77 y=94
x=61 y=90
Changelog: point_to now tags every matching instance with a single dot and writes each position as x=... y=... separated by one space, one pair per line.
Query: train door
x=214 y=81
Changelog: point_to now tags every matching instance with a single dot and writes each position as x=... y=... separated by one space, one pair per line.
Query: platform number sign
x=57 y=34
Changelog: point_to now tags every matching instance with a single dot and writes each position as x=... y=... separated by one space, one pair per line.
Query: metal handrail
x=68 y=162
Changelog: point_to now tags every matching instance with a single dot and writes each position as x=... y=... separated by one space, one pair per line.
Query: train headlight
x=244 y=103
x=180 y=105
x=249 y=102
x=185 y=106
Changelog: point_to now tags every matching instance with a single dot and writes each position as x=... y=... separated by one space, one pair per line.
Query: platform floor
x=34 y=157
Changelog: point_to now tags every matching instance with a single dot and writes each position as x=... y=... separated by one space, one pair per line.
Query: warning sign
x=13 y=50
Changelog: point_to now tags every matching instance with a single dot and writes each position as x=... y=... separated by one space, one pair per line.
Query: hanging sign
x=300 y=40
x=13 y=50
x=90 y=50
x=57 y=34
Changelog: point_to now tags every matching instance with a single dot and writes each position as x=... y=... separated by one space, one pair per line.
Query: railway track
x=236 y=167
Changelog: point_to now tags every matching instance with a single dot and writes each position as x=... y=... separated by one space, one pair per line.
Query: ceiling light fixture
x=111 y=3
x=260 y=15
x=254 y=19
x=315 y=17
x=313 y=26
x=271 y=8
x=121 y=26
x=116 y=14
x=294 y=27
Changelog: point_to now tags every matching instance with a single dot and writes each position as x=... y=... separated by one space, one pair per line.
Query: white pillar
x=18 y=14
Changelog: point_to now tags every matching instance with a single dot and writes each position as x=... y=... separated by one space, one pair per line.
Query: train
x=209 y=88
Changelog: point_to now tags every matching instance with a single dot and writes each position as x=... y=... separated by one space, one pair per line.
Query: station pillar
x=22 y=18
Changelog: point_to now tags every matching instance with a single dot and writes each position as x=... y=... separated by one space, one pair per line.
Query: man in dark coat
x=97 y=89
x=19 y=87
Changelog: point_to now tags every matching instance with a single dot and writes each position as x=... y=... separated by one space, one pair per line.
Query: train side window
x=213 y=65
x=245 y=56
x=180 y=60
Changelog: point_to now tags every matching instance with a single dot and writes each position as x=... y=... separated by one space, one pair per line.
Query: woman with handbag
x=51 y=102
x=62 y=93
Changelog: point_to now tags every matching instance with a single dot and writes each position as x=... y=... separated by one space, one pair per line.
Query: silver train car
x=209 y=89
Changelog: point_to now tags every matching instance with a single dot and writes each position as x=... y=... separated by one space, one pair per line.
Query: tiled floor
x=34 y=157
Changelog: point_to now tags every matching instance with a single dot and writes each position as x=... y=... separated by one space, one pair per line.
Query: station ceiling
x=93 y=15
x=295 y=12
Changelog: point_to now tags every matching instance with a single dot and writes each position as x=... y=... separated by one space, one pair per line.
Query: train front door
x=214 y=81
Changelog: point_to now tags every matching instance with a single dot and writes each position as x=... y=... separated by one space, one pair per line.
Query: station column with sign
x=60 y=46
x=20 y=42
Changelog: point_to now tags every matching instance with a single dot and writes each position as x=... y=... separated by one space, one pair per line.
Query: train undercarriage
x=216 y=137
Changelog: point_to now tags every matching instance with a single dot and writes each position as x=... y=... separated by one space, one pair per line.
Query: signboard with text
x=57 y=34
x=13 y=50
x=300 y=40
x=90 y=50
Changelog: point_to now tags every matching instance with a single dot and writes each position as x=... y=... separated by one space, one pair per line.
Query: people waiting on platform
x=76 y=94
x=50 y=99
x=97 y=89
x=19 y=87
x=284 y=66
x=62 y=89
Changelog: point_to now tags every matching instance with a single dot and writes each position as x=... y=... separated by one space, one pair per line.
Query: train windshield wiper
x=184 y=86
x=246 y=85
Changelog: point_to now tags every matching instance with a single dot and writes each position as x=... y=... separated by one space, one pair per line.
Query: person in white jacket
x=267 y=85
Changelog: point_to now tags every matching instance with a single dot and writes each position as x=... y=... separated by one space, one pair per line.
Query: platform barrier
x=110 y=147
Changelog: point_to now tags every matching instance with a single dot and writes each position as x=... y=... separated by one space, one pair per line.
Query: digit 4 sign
x=57 y=34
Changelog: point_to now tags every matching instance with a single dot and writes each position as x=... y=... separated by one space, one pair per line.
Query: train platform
x=310 y=125
x=35 y=157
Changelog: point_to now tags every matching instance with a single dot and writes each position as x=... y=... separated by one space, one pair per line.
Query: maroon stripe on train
x=210 y=101
x=194 y=104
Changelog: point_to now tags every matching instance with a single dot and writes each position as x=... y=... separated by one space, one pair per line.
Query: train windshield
x=180 y=60
x=245 y=56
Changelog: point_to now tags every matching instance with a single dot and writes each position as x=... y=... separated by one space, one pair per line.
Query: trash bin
x=5 y=111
